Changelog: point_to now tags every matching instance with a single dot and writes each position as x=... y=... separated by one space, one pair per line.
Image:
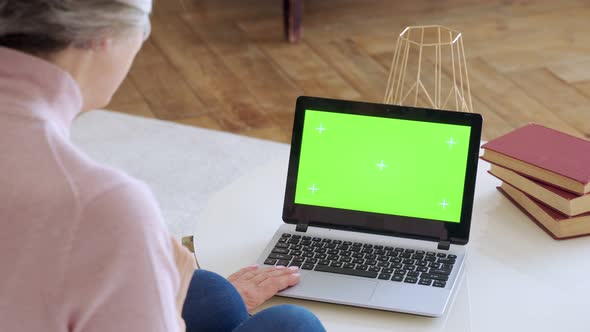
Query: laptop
x=378 y=204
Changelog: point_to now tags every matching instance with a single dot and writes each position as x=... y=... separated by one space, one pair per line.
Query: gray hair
x=46 y=26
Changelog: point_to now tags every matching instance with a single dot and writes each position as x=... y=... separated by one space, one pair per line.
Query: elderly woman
x=83 y=247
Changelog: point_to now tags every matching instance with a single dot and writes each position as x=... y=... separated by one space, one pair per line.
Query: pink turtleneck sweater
x=82 y=246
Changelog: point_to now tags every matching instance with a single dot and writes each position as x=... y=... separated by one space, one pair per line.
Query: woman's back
x=82 y=246
x=72 y=231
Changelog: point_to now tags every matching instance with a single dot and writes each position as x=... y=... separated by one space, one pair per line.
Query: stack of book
x=546 y=173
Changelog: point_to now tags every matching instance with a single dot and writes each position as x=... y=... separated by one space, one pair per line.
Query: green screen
x=383 y=165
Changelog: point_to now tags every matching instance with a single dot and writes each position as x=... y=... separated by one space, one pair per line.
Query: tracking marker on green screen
x=380 y=165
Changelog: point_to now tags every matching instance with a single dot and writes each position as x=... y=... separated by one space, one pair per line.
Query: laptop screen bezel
x=417 y=228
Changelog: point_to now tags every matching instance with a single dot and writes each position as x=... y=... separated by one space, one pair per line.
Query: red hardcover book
x=558 y=226
x=556 y=198
x=544 y=154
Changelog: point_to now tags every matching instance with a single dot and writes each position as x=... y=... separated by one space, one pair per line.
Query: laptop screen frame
x=383 y=224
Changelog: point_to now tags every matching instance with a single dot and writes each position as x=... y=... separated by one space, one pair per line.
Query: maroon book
x=545 y=154
x=561 y=200
x=546 y=217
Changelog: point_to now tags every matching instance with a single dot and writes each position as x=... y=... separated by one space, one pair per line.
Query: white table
x=228 y=190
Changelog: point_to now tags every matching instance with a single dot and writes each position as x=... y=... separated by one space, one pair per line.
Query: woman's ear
x=101 y=44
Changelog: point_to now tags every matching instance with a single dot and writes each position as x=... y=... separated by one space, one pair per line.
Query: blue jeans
x=213 y=304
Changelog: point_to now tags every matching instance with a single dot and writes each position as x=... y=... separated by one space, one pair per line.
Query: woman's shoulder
x=121 y=202
x=107 y=192
x=121 y=212
x=90 y=178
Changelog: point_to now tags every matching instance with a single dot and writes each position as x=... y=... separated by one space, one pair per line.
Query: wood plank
x=275 y=91
x=583 y=87
x=217 y=38
x=274 y=133
x=216 y=85
x=171 y=7
x=139 y=108
x=537 y=58
x=488 y=22
x=572 y=72
x=341 y=13
x=225 y=121
x=208 y=121
x=302 y=65
x=166 y=92
x=163 y=87
x=509 y=101
x=560 y=98
x=211 y=11
x=284 y=119
x=487 y=28
x=361 y=71
x=149 y=55
x=231 y=57
x=248 y=63
x=527 y=31
x=127 y=93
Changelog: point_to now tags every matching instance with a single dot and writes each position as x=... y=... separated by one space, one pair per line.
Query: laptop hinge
x=444 y=245
x=302 y=225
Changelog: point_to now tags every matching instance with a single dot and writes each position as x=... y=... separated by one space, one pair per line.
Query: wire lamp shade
x=429 y=70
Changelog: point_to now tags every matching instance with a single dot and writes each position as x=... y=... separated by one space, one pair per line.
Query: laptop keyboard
x=397 y=264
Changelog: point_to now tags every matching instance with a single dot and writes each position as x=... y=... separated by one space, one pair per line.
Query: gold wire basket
x=429 y=69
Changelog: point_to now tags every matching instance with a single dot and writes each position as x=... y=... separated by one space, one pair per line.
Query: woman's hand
x=256 y=285
x=186 y=265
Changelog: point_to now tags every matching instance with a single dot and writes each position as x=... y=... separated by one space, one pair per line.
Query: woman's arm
x=122 y=273
x=186 y=265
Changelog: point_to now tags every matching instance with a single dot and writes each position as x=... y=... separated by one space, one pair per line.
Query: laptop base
x=389 y=295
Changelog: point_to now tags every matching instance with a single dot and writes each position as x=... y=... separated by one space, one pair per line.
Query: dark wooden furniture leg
x=293 y=15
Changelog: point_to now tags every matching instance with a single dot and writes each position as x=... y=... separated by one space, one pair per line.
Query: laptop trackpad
x=332 y=287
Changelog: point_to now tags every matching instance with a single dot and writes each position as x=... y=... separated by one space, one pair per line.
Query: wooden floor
x=223 y=64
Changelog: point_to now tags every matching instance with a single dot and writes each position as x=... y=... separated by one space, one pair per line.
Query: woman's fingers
x=271 y=286
x=242 y=272
x=257 y=285
x=273 y=272
x=250 y=275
